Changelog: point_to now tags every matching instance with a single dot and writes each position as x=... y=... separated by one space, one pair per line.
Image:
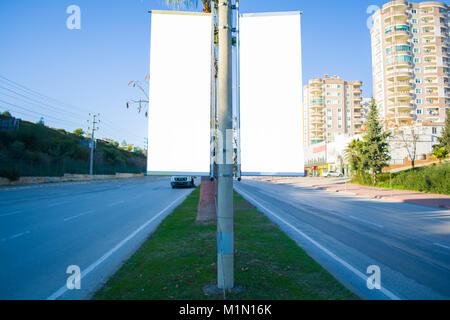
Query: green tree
x=444 y=140
x=6 y=114
x=354 y=156
x=375 y=148
x=440 y=153
x=79 y=132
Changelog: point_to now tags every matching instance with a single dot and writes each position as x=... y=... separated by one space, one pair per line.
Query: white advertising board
x=271 y=94
x=180 y=87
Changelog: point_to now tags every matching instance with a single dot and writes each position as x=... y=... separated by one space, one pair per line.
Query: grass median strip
x=180 y=257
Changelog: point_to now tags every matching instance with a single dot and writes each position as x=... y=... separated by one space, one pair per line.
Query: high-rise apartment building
x=411 y=62
x=331 y=107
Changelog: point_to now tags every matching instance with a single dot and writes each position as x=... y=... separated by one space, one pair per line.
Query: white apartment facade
x=332 y=107
x=411 y=62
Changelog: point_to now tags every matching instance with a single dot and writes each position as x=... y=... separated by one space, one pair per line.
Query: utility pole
x=94 y=128
x=225 y=232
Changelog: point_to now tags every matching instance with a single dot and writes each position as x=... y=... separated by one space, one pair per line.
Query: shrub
x=12 y=174
x=431 y=179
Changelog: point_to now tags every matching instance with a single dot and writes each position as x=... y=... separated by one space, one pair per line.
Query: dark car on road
x=182 y=181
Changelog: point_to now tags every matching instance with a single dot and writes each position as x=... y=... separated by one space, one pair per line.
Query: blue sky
x=89 y=69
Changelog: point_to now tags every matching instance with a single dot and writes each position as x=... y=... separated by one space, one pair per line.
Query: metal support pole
x=225 y=236
x=91 y=162
x=238 y=90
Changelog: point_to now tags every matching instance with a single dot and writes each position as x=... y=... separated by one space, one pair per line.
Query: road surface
x=347 y=234
x=96 y=226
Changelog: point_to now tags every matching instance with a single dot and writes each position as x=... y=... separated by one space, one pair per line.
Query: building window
x=418 y=80
x=419 y=91
x=419 y=111
x=419 y=101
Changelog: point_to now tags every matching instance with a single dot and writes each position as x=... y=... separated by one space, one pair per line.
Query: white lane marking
x=94 y=265
x=366 y=221
x=58 y=203
x=441 y=245
x=115 y=203
x=16 y=236
x=318 y=245
x=11 y=213
x=79 y=215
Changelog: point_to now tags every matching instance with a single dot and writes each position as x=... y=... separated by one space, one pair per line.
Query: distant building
x=332 y=107
x=9 y=124
x=320 y=158
x=411 y=62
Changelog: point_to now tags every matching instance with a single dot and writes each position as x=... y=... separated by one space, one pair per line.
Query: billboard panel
x=180 y=86
x=271 y=94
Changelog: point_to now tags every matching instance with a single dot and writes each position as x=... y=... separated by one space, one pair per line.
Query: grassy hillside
x=37 y=150
x=430 y=179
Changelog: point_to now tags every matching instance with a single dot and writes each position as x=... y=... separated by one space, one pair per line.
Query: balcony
x=400 y=107
x=315 y=91
x=317 y=122
x=399 y=64
x=401 y=96
x=357 y=84
x=402 y=116
x=315 y=82
x=400 y=85
x=317 y=131
x=317 y=106
x=399 y=75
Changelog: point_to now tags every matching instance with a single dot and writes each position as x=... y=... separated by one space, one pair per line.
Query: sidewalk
x=425 y=199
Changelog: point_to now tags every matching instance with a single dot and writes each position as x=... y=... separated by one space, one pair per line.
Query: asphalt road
x=346 y=234
x=96 y=226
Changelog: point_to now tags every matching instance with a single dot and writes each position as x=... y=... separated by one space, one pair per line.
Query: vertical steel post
x=225 y=236
x=238 y=90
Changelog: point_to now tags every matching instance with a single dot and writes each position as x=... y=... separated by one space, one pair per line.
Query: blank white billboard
x=271 y=94
x=180 y=85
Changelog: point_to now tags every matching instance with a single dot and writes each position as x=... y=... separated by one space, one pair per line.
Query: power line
x=26 y=92
x=36 y=103
x=36 y=93
x=37 y=113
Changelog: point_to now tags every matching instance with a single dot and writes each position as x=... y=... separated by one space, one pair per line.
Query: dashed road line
x=58 y=204
x=11 y=213
x=16 y=236
x=79 y=215
x=115 y=203
x=366 y=221
x=441 y=245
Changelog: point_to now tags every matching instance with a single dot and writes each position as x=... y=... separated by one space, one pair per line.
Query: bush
x=17 y=149
x=12 y=174
x=430 y=179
